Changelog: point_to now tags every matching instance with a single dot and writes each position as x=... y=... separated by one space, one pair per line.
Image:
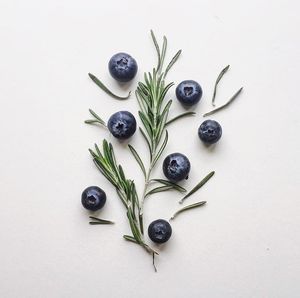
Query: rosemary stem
x=141 y=211
x=147 y=182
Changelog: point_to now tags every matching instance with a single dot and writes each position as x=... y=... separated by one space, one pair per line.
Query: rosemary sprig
x=154 y=110
x=197 y=187
x=151 y=95
x=226 y=104
x=126 y=190
x=223 y=71
x=105 y=89
x=192 y=206
x=99 y=221
x=96 y=119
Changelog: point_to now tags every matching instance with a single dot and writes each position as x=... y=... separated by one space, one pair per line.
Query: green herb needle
x=105 y=89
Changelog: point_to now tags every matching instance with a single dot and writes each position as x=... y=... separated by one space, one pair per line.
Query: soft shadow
x=209 y=147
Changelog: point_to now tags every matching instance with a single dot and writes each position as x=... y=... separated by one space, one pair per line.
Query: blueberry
x=122 y=125
x=210 y=132
x=122 y=67
x=93 y=198
x=159 y=231
x=176 y=167
x=189 y=92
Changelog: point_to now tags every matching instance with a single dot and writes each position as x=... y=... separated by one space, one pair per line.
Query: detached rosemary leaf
x=195 y=205
x=91 y=121
x=99 y=221
x=138 y=159
x=96 y=120
x=226 y=104
x=105 y=89
x=169 y=183
x=198 y=186
x=217 y=82
x=180 y=116
x=158 y=189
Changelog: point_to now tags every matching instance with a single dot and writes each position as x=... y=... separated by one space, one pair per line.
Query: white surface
x=244 y=243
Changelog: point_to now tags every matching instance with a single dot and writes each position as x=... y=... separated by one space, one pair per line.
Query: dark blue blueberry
x=210 y=132
x=159 y=231
x=176 y=167
x=93 y=198
x=189 y=92
x=122 y=67
x=122 y=125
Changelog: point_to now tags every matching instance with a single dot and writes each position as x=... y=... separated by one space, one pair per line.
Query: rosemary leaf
x=226 y=104
x=169 y=183
x=158 y=189
x=122 y=175
x=98 y=150
x=160 y=151
x=134 y=229
x=129 y=238
x=198 y=186
x=163 y=53
x=146 y=123
x=147 y=141
x=157 y=50
x=153 y=262
x=99 y=221
x=173 y=61
x=105 y=89
x=217 y=82
x=164 y=91
x=138 y=159
x=180 y=116
x=96 y=120
x=91 y=121
x=162 y=123
x=195 y=205
x=95 y=115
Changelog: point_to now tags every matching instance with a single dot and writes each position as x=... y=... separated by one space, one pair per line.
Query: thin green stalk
x=100 y=221
x=96 y=119
x=189 y=207
x=217 y=82
x=226 y=104
x=197 y=187
x=180 y=116
x=105 y=89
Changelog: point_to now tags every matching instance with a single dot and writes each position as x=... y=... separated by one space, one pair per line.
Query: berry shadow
x=188 y=108
x=161 y=247
x=209 y=147
x=126 y=86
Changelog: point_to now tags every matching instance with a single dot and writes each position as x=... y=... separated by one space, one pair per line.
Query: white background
x=243 y=243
